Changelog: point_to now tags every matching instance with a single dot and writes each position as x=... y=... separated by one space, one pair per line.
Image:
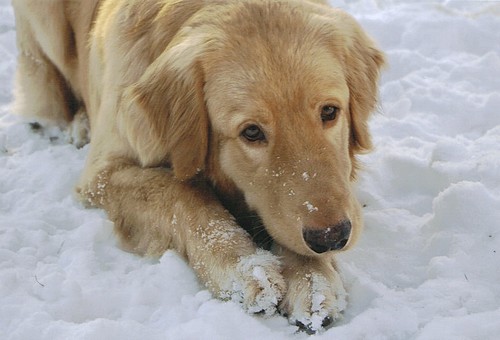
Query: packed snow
x=426 y=267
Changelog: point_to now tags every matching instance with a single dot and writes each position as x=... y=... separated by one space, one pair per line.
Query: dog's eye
x=253 y=133
x=329 y=113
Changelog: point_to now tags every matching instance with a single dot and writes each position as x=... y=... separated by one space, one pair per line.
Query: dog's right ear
x=167 y=122
x=363 y=63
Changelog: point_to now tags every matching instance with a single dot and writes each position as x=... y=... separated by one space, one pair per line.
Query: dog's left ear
x=167 y=121
x=363 y=62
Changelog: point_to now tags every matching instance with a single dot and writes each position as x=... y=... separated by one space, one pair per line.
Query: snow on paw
x=313 y=301
x=258 y=284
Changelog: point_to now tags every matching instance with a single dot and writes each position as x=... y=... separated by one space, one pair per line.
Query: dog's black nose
x=331 y=238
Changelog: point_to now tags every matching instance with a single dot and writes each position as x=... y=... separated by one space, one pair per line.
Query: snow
x=310 y=207
x=426 y=267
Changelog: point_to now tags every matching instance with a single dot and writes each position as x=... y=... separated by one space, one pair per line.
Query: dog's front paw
x=314 y=300
x=78 y=130
x=257 y=283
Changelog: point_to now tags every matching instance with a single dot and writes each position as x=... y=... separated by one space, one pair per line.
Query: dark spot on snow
x=35 y=126
x=36 y=280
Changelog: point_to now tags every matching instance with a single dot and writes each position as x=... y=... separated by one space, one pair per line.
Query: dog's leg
x=315 y=295
x=153 y=212
x=41 y=91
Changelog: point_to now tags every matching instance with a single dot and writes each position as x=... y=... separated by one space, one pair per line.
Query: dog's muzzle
x=331 y=238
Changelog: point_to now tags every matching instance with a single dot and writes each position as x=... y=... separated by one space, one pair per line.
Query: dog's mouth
x=253 y=224
x=304 y=234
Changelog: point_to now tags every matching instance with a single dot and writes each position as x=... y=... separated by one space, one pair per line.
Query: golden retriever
x=226 y=130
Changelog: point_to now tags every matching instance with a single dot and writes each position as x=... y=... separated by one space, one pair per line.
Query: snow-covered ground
x=426 y=267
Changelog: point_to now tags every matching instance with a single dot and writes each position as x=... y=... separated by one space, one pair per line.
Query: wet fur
x=167 y=87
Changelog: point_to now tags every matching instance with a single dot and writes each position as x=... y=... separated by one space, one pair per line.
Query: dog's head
x=271 y=101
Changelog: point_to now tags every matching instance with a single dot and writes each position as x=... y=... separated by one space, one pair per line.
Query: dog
x=226 y=130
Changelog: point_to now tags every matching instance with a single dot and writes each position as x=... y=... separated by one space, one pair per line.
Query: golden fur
x=170 y=88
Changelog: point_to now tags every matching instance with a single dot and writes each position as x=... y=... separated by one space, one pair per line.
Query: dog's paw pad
x=312 y=327
x=259 y=285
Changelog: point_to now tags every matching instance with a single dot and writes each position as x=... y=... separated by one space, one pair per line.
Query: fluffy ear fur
x=363 y=63
x=167 y=119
